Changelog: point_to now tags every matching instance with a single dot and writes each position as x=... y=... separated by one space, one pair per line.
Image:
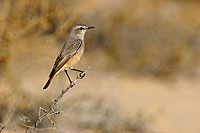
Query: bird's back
x=70 y=48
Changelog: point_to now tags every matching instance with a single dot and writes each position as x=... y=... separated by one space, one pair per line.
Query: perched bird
x=71 y=52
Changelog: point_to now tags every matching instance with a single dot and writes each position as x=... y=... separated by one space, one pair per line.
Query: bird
x=70 y=53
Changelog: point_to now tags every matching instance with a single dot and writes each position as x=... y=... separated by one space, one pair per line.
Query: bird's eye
x=81 y=28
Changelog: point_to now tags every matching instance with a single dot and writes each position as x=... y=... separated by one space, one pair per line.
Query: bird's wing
x=70 y=48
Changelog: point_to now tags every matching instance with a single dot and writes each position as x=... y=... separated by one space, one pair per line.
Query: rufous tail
x=49 y=81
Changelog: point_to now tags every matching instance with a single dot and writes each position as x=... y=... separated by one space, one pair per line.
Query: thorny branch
x=51 y=109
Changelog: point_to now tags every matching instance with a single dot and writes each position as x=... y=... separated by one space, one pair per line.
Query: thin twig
x=37 y=129
x=44 y=110
x=51 y=108
x=53 y=123
x=5 y=124
x=2 y=128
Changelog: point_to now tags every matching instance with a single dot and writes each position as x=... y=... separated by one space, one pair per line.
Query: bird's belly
x=74 y=59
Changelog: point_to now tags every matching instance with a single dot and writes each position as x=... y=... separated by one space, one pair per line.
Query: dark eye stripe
x=81 y=28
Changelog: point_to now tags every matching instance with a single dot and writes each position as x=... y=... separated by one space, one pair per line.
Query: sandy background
x=144 y=58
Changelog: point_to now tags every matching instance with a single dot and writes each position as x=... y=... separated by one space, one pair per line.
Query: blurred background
x=144 y=56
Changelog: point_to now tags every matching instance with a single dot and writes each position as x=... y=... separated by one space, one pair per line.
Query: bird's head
x=80 y=29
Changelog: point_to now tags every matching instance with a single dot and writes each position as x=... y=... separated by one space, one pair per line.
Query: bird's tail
x=49 y=81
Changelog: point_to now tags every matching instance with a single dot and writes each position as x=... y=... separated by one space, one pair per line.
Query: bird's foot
x=82 y=75
x=72 y=84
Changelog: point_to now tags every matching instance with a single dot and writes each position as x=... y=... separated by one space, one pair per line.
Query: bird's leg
x=81 y=71
x=68 y=77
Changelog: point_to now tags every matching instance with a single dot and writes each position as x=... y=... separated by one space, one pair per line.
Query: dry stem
x=51 y=109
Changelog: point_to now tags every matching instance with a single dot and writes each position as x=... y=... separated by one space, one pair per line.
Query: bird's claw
x=82 y=75
x=72 y=84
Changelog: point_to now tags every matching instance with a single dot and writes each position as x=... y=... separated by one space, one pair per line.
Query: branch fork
x=51 y=109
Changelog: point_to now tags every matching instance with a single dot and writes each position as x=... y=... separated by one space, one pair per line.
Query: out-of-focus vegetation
x=157 y=38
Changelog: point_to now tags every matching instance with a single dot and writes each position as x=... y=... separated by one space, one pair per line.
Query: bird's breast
x=75 y=58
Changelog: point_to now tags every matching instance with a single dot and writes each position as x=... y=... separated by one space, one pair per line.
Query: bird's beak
x=90 y=27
